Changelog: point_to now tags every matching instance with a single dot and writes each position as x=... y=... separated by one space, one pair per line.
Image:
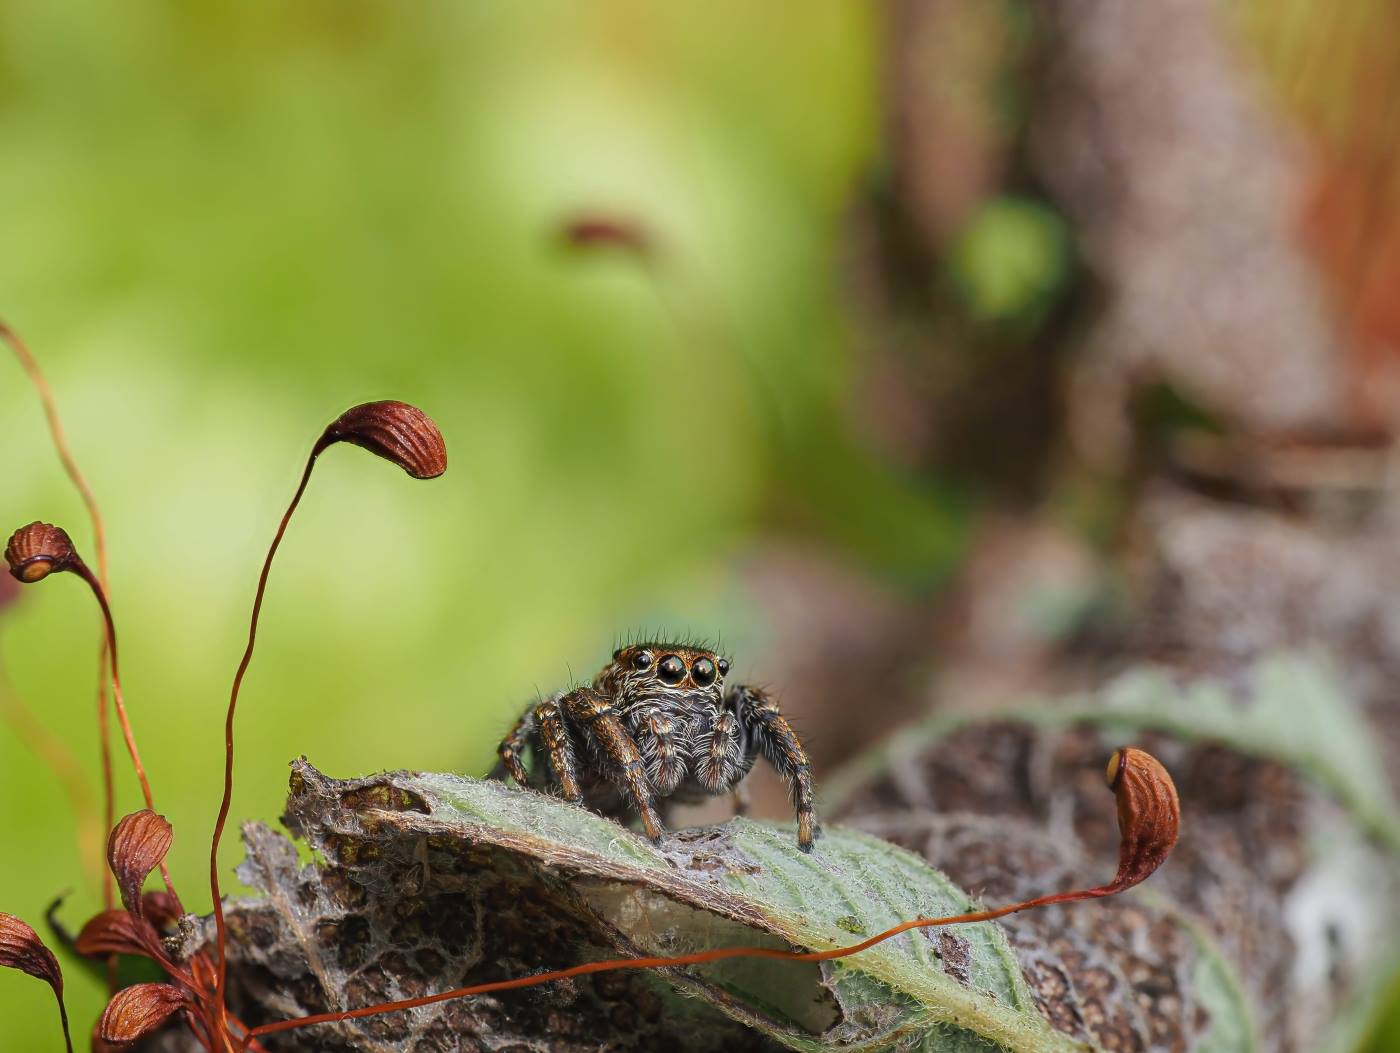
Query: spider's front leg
x=512 y=746
x=543 y=725
x=555 y=734
x=594 y=711
x=770 y=734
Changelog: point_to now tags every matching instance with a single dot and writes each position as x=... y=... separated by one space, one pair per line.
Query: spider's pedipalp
x=664 y=764
x=720 y=762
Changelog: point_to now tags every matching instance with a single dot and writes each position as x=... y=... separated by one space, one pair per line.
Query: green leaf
x=754 y=877
x=959 y=988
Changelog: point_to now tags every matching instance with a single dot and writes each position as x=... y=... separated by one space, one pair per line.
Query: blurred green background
x=222 y=225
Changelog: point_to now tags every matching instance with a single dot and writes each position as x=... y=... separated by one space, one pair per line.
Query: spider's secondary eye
x=641 y=660
x=724 y=667
x=671 y=670
x=703 y=672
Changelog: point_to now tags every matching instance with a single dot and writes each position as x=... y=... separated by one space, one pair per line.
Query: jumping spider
x=657 y=725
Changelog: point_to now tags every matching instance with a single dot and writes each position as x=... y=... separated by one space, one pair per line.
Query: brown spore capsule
x=136 y=847
x=396 y=431
x=136 y=1011
x=603 y=231
x=1149 y=814
x=1114 y=763
x=38 y=550
x=117 y=932
x=22 y=949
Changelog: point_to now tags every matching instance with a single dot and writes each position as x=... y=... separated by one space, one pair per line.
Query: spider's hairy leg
x=511 y=747
x=658 y=746
x=721 y=767
x=590 y=709
x=560 y=750
x=773 y=736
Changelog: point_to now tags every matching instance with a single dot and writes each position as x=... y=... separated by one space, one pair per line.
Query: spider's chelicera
x=657 y=726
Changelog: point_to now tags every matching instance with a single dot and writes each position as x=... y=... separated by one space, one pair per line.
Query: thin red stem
x=198 y=1028
x=221 y=934
x=60 y=441
x=99 y=539
x=246 y=1039
x=104 y=738
x=82 y=570
x=63 y=1018
x=697 y=958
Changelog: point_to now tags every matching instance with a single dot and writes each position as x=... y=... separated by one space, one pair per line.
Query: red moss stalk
x=395 y=431
x=87 y=818
x=33 y=553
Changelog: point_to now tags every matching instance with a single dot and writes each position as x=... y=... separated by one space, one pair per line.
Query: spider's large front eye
x=641 y=660
x=671 y=670
x=703 y=672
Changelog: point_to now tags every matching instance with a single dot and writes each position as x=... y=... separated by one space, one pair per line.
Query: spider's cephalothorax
x=657 y=725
